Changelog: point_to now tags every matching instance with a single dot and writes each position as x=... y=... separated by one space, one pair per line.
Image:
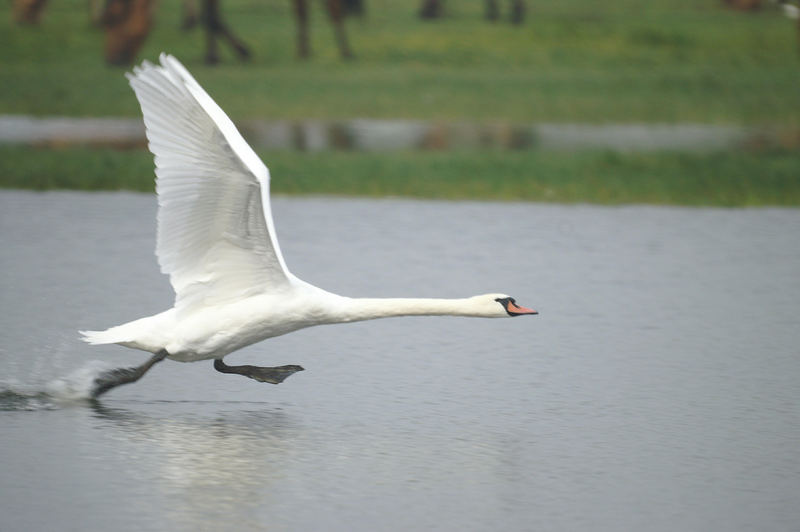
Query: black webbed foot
x=272 y=375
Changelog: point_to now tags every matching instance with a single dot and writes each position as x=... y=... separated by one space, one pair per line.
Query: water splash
x=72 y=388
x=78 y=385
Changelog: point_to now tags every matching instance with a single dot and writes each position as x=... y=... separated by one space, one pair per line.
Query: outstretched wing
x=216 y=239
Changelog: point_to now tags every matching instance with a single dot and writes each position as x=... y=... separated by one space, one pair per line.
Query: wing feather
x=216 y=238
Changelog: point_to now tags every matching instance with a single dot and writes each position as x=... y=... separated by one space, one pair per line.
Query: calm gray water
x=657 y=390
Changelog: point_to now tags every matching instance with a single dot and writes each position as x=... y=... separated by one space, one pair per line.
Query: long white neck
x=359 y=309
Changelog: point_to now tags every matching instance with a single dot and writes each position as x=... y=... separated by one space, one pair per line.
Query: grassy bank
x=721 y=179
x=619 y=61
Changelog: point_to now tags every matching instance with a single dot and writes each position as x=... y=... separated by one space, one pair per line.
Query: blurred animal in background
x=790 y=8
x=337 y=10
x=127 y=24
x=28 y=11
x=431 y=9
x=215 y=28
x=189 y=14
x=744 y=5
x=517 y=11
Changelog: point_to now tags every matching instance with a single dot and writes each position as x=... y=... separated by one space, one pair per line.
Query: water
x=657 y=390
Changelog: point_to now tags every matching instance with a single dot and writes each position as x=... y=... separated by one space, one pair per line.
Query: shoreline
x=378 y=135
x=721 y=178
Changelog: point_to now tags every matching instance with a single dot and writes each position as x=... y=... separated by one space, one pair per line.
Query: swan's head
x=500 y=306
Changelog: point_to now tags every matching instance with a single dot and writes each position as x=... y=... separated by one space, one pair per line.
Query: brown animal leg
x=336 y=14
x=354 y=7
x=492 y=10
x=212 y=52
x=431 y=9
x=301 y=16
x=214 y=26
x=517 y=11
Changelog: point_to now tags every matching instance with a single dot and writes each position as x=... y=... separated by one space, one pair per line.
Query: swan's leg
x=274 y=375
x=115 y=377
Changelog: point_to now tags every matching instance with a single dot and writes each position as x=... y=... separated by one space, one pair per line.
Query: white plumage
x=217 y=243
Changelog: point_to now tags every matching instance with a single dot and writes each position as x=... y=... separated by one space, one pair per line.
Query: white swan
x=217 y=243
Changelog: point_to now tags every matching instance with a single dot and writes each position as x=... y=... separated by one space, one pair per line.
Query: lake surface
x=659 y=388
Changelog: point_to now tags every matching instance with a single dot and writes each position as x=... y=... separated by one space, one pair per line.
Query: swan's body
x=214 y=331
x=217 y=242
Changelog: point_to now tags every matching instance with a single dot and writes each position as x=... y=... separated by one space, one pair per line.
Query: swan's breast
x=212 y=332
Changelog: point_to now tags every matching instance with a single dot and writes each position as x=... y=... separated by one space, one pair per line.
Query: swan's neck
x=359 y=309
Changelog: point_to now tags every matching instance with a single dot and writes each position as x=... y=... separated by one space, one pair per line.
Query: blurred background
x=656 y=391
x=681 y=101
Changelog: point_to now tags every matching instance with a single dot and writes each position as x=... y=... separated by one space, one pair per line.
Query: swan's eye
x=504 y=302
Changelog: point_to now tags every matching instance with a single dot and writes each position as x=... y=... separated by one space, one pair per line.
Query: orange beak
x=516 y=309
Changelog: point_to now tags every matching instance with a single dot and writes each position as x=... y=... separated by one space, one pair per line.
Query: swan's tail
x=109 y=336
x=130 y=334
x=121 y=335
x=143 y=334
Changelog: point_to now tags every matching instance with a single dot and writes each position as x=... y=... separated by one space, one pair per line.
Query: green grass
x=572 y=61
x=717 y=179
x=618 y=61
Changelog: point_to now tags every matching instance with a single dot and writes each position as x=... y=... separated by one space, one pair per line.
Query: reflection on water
x=657 y=390
x=210 y=469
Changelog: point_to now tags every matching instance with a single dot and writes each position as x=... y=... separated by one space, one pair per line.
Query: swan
x=216 y=240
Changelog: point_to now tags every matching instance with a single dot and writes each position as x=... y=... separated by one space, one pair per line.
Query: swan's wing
x=216 y=239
